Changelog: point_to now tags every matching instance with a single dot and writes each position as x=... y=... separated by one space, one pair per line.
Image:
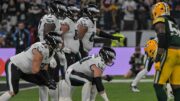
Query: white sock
x=54 y=94
x=139 y=76
x=169 y=90
x=43 y=93
x=64 y=91
x=5 y=97
x=93 y=93
x=86 y=90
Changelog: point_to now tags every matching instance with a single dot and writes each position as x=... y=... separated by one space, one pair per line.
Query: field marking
x=130 y=80
x=23 y=89
x=113 y=81
x=25 y=82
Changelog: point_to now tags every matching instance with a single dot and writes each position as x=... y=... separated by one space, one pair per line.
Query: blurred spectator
x=2 y=41
x=86 y=2
x=21 y=38
x=34 y=13
x=106 y=9
x=176 y=11
x=120 y=14
x=3 y=27
x=22 y=8
x=12 y=12
x=129 y=7
x=114 y=9
x=136 y=62
x=4 y=6
x=142 y=15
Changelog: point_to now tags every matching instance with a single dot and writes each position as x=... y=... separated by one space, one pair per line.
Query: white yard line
x=113 y=81
x=22 y=89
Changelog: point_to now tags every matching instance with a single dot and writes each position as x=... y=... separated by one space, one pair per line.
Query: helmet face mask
x=160 y=9
x=108 y=55
x=73 y=12
x=53 y=40
x=91 y=11
x=62 y=10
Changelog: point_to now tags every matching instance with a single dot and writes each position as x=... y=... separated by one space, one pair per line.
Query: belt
x=174 y=47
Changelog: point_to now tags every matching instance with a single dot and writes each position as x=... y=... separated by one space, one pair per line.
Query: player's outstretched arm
x=103 y=34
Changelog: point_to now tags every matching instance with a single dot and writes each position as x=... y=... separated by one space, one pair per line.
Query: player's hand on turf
x=108 y=78
x=51 y=84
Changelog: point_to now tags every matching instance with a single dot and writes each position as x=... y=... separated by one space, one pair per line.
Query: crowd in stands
x=19 y=18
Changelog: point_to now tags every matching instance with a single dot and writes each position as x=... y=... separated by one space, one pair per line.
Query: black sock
x=176 y=93
x=160 y=92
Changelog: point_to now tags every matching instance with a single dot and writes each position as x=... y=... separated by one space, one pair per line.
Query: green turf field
x=115 y=91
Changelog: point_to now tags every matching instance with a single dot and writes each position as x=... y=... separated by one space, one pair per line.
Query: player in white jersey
x=50 y=22
x=28 y=64
x=86 y=29
x=71 y=43
x=89 y=70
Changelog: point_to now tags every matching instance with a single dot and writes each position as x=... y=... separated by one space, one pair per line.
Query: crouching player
x=28 y=65
x=150 y=51
x=88 y=71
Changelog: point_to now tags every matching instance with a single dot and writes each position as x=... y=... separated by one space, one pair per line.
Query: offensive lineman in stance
x=167 y=62
x=28 y=64
x=50 y=22
x=89 y=70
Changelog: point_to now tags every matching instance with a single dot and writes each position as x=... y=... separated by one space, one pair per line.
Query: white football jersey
x=88 y=39
x=84 y=65
x=47 y=19
x=69 y=38
x=24 y=59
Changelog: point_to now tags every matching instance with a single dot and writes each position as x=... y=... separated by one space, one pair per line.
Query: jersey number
x=174 y=29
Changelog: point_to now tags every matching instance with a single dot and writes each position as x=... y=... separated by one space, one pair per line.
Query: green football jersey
x=172 y=30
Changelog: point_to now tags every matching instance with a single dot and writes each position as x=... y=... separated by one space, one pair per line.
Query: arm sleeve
x=98 y=83
x=106 y=35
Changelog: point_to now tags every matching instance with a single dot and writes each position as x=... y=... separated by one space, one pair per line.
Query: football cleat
x=135 y=89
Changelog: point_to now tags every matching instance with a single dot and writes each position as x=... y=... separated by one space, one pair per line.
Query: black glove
x=108 y=78
x=51 y=84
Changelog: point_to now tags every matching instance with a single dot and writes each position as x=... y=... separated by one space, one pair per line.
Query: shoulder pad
x=49 y=18
x=83 y=22
x=42 y=48
x=159 y=19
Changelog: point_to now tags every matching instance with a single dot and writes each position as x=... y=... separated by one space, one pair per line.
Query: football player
x=71 y=43
x=50 y=22
x=167 y=62
x=89 y=70
x=86 y=29
x=28 y=64
x=150 y=52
